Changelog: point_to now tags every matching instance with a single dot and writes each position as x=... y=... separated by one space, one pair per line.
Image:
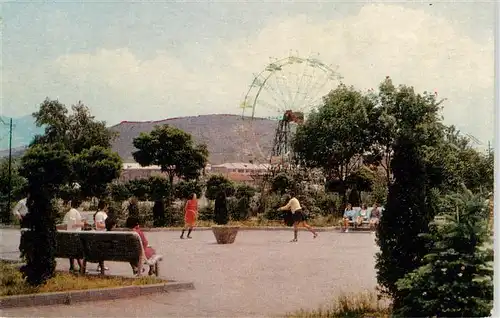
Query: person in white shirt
x=101 y=216
x=21 y=210
x=298 y=216
x=74 y=222
x=100 y=223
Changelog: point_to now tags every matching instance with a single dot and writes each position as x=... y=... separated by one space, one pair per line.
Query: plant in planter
x=219 y=188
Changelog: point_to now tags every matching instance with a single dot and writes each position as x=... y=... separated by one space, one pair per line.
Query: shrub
x=456 y=278
x=206 y=213
x=184 y=189
x=271 y=204
x=119 y=191
x=174 y=216
x=221 y=215
x=328 y=203
x=216 y=184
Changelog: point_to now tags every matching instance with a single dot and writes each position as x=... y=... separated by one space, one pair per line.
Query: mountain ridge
x=229 y=137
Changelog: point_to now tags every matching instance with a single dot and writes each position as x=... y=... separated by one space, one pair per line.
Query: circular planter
x=225 y=234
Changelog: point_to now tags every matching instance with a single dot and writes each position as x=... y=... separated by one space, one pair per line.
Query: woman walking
x=298 y=217
x=190 y=213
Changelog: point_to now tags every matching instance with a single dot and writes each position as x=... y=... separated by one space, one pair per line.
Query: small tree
x=17 y=184
x=217 y=184
x=160 y=189
x=46 y=168
x=95 y=168
x=221 y=215
x=218 y=189
x=139 y=188
x=173 y=150
x=184 y=189
x=244 y=193
x=456 y=277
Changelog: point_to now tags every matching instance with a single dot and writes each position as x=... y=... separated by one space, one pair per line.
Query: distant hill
x=23 y=131
x=229 y=137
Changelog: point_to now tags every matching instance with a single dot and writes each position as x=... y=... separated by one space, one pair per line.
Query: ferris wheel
x=286 y=90
x=291 y=83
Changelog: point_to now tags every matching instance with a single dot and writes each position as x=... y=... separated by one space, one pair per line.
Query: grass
x=348 y=305
x=12 y=282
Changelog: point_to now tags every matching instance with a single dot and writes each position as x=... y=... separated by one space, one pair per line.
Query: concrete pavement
x=261 y=274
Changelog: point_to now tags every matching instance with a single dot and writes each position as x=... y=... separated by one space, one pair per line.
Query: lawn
x=12 y=282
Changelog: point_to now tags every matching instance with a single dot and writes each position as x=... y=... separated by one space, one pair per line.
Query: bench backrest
x=68 y=245
x=120 y=246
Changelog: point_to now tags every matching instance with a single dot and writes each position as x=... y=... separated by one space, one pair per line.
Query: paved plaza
x=261 y=274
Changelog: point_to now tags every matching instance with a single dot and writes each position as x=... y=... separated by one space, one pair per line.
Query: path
x=261 y=274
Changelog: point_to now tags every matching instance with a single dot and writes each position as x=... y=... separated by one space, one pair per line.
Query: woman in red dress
x=190 y=213
x=133 y=224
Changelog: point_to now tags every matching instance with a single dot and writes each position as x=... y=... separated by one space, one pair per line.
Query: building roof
x=239 y=177
x=242 y=165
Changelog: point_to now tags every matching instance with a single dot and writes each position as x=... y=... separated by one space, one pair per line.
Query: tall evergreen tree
x=456 y=278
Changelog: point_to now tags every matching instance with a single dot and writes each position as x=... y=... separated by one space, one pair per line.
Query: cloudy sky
x=149 y=61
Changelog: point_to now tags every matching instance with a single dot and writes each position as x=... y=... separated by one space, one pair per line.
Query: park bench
x=97 y=247
x=365 y=223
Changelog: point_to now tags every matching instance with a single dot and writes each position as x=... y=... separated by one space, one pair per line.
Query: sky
x=156 y=60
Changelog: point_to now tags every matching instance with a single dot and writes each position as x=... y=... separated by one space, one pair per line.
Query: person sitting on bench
x=133 y=224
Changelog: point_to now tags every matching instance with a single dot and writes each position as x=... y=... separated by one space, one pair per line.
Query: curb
x=77 y=296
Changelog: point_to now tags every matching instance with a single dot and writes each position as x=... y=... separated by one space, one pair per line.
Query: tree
x=244 y=193
x=159 y=189
x=73 y=148
x=456 y=277
x=46 y=167
x=410 y=203
x=217 y=184
x=88 y=140
x=18 y=184
x=139 y=188
x=95 y=168
x=335 y=137
x=184 y=189
x=77 y=131
x=173 y=150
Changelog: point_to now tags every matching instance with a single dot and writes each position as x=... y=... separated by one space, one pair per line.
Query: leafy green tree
x=281 y=183
x=184 y=189
x=360 y=180
x=87 y=139
x=77 y=130
x=410 y=203
x=52 y=164
x=173 y=150
x=456 y=277
x=337 y=135
x=119 y=191
x=46 y=167
x=18 y=184
x=216 y=184
x=139 y=188
x=95 y=168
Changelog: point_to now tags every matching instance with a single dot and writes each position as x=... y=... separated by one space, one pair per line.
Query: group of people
x=294 y=216
x=357 y=217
